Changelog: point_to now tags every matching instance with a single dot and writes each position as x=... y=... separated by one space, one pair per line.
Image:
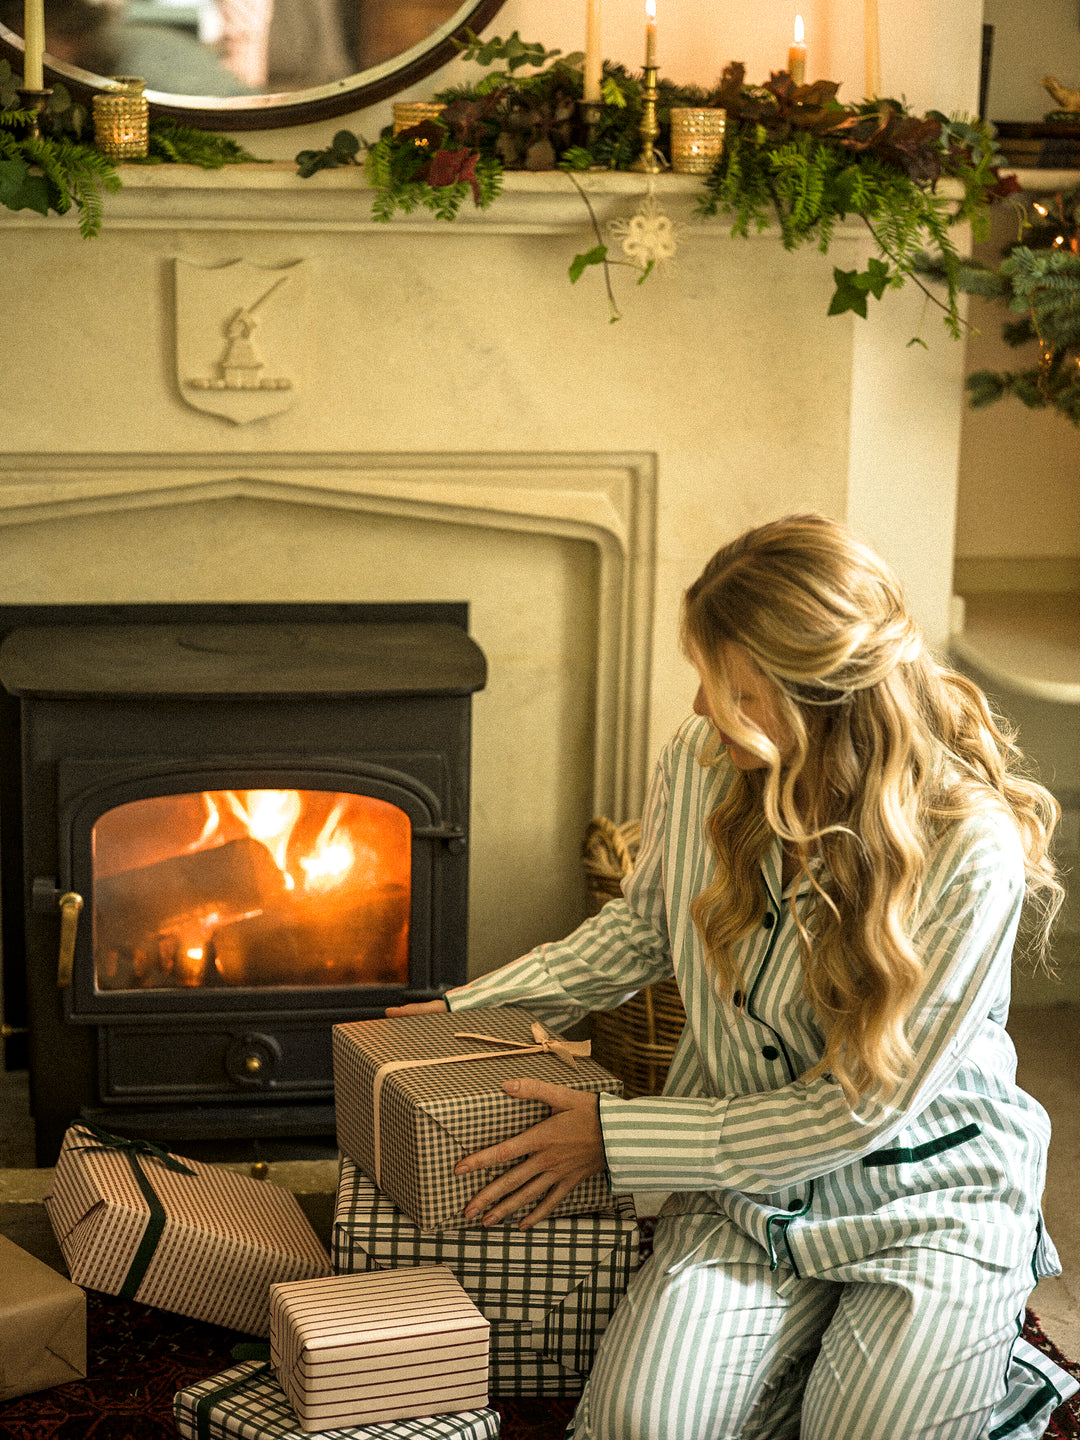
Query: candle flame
x=800 y=31
x=650 y=9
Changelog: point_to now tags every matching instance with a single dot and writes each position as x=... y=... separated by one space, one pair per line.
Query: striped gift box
x=195 y=1239
x=247 y=1403
x=549 y=1292
x=429 y=1115
x=396 y=1345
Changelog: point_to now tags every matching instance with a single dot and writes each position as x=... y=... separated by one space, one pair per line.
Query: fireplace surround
x=239 y=826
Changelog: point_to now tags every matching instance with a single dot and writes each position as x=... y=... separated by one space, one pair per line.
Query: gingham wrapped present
x=549 y=1292
x=415 y=1094
x=398 y=1344
x=135 y=1221
x=247 y=1403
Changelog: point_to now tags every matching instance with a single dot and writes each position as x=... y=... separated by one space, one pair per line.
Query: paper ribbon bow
x=563 y=1050
x=546 y=1043
x=132 y=1148
x=135 y=1150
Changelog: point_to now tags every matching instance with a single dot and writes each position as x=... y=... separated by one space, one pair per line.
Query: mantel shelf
x=272 y=196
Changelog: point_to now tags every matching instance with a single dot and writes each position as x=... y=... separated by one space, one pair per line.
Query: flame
x=800 y=32
x=650 y=9
x=332 y=857
x=270 y=816
x=212 y=825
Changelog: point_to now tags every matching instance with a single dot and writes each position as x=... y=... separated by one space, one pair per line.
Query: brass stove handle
x=71 y=906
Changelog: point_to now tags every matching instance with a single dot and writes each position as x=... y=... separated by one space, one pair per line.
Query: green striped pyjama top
x=858 y=1271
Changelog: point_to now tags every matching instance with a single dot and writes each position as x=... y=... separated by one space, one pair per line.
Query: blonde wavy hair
x=889 y=747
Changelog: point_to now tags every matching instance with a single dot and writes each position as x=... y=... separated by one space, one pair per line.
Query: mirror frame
x=268 y=112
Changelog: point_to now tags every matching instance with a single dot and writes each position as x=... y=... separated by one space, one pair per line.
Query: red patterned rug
x=140 y=1357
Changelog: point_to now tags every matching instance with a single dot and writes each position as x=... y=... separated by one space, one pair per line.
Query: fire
x=269 y=816
x=252 y=887
x=333 y=856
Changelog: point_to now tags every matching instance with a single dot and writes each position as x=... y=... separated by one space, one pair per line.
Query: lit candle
x=873 y=50
x=650 y=34
x=34 y=44
x=592 y=52
x=796 y=56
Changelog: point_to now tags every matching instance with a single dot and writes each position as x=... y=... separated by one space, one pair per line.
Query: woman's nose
x=701 y=706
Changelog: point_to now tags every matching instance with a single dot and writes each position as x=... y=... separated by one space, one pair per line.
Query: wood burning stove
x=237 y=829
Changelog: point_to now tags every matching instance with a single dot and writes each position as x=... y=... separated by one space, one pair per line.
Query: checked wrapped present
x=396 y=1345
x=548 y=1292
x=135 y=1221
x=246 y=1401
x=417 y=1093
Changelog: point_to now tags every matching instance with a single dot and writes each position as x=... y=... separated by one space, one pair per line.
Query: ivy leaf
x=850 y=294
x=596 y=256
x=877 y=272
x=19 y=190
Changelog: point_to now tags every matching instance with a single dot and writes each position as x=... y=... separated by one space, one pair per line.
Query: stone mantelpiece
x=469 y=426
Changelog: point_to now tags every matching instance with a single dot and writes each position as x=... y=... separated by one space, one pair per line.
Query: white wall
x=929 y=49
x=1032 y=38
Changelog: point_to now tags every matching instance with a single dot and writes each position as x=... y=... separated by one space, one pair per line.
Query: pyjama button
x=770 y=1052
x=736 y=999
x=769 y=921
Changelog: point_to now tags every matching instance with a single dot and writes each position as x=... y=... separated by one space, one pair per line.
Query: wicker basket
x=636 y=1041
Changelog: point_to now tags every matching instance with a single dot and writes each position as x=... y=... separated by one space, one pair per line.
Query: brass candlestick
x=649 y=162
x=34 y=101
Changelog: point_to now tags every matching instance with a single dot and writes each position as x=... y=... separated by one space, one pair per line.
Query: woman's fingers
x=418 y=1007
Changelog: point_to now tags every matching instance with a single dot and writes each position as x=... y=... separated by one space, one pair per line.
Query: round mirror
x=247 y=64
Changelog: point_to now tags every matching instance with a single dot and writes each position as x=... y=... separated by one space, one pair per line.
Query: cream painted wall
x=1032 y=38
x=929 y=49
x=1019 y=469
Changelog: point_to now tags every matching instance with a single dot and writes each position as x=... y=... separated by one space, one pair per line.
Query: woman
x=834 y=858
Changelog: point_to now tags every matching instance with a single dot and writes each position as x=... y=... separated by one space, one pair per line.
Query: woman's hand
x=418 y=1007
x=559 y=1152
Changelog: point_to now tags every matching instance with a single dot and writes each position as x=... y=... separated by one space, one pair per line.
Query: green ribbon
x=206 y=1402
x=135 y=1150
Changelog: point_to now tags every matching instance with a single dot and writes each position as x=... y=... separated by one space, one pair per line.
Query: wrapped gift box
x=207 y=1244
x=407 y=1121
x=549 y=1292
x=42 y=1325
x=246 y=1402
x=394 y=1345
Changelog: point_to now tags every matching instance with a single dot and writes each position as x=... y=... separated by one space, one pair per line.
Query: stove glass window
x=251 y=888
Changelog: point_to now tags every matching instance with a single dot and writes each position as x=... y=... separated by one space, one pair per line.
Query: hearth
x=240 y=824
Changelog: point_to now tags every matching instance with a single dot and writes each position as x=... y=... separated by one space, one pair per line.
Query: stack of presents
x=415 y=1318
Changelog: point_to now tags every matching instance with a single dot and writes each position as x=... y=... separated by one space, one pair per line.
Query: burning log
x=320 y=940
x=137 y=905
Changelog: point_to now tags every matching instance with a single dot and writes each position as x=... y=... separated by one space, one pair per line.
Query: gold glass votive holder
x=408 y=113
x=122 y=119
x=697 y=139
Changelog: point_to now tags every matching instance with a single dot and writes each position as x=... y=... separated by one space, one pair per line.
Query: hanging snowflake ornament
x=648 y=236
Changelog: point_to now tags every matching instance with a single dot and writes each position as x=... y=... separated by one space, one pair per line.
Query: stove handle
x=71 y=906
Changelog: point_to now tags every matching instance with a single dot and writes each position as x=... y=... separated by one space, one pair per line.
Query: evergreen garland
x=794 y=157
x=59 y=169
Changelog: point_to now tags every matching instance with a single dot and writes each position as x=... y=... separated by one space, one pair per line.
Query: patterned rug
x=140 y=1357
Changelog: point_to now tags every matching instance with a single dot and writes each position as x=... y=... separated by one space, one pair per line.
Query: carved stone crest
x=241 y=337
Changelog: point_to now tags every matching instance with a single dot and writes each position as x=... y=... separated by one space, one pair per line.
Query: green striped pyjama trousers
x=911 y=1344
